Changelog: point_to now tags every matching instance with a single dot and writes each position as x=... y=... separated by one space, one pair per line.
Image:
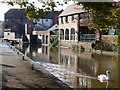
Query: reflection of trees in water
x=86 y=66
x=54 y=54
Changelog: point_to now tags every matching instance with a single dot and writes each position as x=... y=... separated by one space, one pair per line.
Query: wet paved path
x=17 y=73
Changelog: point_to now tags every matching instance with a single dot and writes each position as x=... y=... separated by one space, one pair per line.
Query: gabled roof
x=72 y=9
x=15 y=13
x=54 y=27
x=51 y=15
x=40 y=27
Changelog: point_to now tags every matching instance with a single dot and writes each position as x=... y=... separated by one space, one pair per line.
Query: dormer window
x=66 y=19
x=61 y=19
x=72 y=17
x=6 y=20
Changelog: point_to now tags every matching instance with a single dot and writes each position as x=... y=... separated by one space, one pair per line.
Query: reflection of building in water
x=84 y=82
x=86 y=64
x=37 y=52
x=72 y=62
x=75 y=69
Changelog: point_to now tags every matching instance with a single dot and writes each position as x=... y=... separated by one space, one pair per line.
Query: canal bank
x=17 y=73
x=77 y=69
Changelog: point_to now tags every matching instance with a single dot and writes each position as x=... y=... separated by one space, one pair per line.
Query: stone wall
x=85 y=45
x=109 y=39
x=88 y=45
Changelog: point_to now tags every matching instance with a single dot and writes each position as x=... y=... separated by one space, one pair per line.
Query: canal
x=77 y=69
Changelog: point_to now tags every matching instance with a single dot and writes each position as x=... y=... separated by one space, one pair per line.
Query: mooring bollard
x=23 y=57
x=32 y=66
x=17 y=52
x=13 y=49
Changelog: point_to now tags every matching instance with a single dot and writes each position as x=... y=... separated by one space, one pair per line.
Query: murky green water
x=77 y=69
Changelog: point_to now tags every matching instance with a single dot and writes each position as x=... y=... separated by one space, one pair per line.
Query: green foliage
x=103 y=46
x=102 y=18
x=54 y=41
x=117 y=41
x=78 y=48
x=31 y=11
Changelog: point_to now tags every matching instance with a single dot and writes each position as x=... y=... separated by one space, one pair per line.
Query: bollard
x=17 y=52
x=32 y=66
x=23 y=57
x=13 y=49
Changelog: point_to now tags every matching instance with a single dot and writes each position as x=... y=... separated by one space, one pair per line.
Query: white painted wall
x=1 y=28
x=47 y=22
x=9 y=35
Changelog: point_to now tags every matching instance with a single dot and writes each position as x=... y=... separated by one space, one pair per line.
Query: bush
x=78 y=47
x=54 y=41
x=103 y=46
x=117 y=41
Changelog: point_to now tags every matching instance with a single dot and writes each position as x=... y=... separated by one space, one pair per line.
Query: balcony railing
x=87 y=37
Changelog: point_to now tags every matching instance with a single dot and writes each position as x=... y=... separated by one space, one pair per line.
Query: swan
x=104 y=78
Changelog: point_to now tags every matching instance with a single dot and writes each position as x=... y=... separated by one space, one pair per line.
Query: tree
x=102 y=15
x=33 y=12
x=105 y=15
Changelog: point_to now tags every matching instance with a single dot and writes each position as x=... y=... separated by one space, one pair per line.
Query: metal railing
x=87 y=37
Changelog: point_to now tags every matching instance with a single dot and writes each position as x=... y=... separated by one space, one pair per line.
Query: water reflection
x=76 y=69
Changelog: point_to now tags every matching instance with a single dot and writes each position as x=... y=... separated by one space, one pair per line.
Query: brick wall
x=86 y=45
x=109 y=39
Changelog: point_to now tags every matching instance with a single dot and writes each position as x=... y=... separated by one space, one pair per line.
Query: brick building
x=73 y=27
x=15 y=21
x=46 y=27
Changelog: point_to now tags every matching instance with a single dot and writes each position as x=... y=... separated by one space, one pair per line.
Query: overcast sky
x=4 y=8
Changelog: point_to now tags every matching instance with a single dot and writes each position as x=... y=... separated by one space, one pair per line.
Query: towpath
x=17 y=73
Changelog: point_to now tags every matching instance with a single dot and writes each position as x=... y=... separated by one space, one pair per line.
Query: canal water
x=77 y=69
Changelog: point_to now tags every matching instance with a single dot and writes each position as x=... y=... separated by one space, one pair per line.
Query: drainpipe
x=78 y=27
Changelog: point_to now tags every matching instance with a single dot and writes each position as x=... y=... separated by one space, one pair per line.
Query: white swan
x=104 y=78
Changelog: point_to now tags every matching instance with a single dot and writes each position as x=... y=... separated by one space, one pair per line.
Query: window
x=66 y=59
x=25 y=20
x=46 y=20
x=72 y=34
x=62 y=34
x=72 y=60
x=14 y=26
x=22 y=19
x=6 y=20
x=72 y=17
x=84 y=16
x=61 y=19
x=29 y=26
x=66 y=19
x=13 y=20
x=67 y=34
x=7 y=26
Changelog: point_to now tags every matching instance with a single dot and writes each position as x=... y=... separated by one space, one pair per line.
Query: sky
x=4 y=8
